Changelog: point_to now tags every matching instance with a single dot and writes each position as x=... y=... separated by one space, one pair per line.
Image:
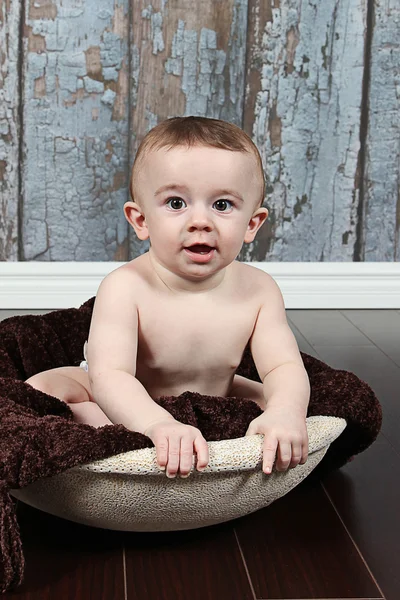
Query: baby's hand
x=284 y=430
x=174 y=444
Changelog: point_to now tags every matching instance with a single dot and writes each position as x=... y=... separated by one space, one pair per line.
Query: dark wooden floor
x=335 y=539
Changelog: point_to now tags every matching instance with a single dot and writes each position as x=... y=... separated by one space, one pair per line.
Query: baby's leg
x=249 y=389
x=71 y=384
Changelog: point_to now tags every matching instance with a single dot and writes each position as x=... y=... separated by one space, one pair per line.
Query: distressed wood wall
x=381 y=199
x=9 y=129
x=315 y=84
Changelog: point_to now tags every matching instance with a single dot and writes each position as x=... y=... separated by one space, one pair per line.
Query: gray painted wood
x=186 y=60
x=75 y=102
x=9 y=128
x=303 y=109
x=382 y=178
x=96 y=76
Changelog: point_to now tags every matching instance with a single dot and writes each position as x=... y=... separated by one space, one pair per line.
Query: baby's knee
x=42 y=382
x=59 y=386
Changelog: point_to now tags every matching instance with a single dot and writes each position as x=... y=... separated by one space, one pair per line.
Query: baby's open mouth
x=200 y=248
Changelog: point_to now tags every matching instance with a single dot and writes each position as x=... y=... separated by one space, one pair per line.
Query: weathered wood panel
x=188 y=58
x=75 y=170
x=9 y=128
x=382 y=168
x=289 y=72
x=302 y=109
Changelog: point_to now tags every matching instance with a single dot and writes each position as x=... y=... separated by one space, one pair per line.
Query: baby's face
x=198 y=195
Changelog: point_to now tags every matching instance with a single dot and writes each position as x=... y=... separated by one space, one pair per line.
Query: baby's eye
x=175 y=199
x=223 y=202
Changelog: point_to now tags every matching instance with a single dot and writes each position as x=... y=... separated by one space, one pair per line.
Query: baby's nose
x=200 y=218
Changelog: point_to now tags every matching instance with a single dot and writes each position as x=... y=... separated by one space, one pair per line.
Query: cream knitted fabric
x=129 y=492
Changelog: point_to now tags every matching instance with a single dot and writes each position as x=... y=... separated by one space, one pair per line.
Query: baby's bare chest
x=177 y=338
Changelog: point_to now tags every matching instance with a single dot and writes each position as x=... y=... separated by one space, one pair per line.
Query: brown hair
x=190 y=131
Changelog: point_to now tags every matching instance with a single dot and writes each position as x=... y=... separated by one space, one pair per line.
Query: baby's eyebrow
x=184 y=188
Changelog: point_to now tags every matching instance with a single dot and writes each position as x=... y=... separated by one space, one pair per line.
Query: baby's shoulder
x=265 y=290
x=134 y=269
x=253 y=276
x=126 y=280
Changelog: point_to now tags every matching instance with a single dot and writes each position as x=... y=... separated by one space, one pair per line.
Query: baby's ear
x=135 y=217
x=256 y=221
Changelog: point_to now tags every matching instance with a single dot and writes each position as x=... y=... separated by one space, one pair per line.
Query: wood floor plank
x=368 y=362
x=382 y=327
x=376 y=369
x=366 y=493
x=302 y=343
x=298 y=548
x=67 y=561
x=198 y=564
x=327 y=328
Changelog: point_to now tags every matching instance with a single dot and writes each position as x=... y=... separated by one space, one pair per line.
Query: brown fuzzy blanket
x=38 y=437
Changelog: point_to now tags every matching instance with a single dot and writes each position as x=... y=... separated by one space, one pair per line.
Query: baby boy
x=178 y=317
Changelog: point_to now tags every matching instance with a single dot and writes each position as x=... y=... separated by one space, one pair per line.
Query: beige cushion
x=129 y=492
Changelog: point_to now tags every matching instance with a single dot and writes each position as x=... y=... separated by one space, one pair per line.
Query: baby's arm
x=286 y=386
x=276 y=354
x=112 y=354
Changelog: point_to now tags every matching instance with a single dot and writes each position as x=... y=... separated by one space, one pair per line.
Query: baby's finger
x=296 y=455
x=202 y=452
x=186 y=458
x=304 y=456
x=161 y=445
x=174 y=450
x=284 y=456
x=270 y=446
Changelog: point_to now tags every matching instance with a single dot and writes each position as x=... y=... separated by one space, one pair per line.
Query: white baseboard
x=44 y=285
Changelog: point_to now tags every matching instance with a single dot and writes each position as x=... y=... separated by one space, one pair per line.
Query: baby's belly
x=157 y=386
